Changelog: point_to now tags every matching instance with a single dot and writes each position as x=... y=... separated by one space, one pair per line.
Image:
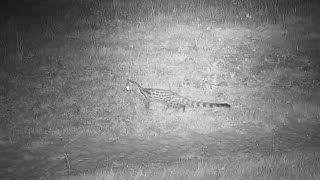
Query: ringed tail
x=191 y=103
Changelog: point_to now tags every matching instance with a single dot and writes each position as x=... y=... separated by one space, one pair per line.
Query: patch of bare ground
x=64 y=110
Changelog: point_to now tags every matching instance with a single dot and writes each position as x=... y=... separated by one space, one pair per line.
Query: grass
x=63 y=78
x=294 y=165
x=20 y=47
x=156 y=15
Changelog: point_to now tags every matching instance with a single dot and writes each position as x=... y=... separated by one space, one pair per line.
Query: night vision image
x=159 y=89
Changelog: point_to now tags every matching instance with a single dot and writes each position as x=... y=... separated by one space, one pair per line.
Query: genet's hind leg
x=183 y=108
x=147 y=104
x=166 y=107
x=179 y=106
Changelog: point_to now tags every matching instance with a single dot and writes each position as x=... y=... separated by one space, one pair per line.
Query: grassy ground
x=63 y=108
x=294 y=165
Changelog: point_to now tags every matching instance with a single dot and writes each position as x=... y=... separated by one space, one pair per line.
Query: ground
x=64 y=110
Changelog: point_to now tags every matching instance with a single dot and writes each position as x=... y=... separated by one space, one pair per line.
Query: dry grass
x=236 y=12
x=68 y=85
x=294 y=165
x=151 y=42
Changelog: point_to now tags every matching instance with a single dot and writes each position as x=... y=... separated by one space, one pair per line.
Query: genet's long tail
x=204 y=104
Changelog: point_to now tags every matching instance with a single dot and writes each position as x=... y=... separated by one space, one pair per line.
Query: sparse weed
x=47 y=27
x=20 y=46
x=3 y=52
